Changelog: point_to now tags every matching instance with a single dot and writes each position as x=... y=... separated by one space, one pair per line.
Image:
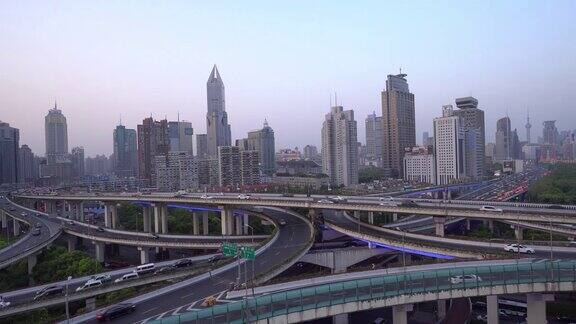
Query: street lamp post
x=252 y=239
x=67 y=309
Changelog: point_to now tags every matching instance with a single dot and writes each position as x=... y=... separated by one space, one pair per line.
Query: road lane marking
x=149 y=310
x=175 y=312
x=186 y=296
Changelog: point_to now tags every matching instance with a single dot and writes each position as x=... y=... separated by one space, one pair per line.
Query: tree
x=57 y=264
x=369 y=174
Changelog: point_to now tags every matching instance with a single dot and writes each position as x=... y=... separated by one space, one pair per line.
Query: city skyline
x=94 y=88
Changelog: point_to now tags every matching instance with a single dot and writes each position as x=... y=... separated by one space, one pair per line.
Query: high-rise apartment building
x=340 y=147
x=125 y=152
x=180 y=133
x=503 y=148
x=229 y=173
x=9 y=154
x=472 y=120
x=310 y=152
x=201 y=146
x=250 y=167
x=77 y=159
x=374 y=133
x=398 y=124
x=262 y=141
x=28 y=165
x=153 y=140
x=218 y=129
x=98 y=165
x=176 y=171
x=56 y=135
x=449 y=147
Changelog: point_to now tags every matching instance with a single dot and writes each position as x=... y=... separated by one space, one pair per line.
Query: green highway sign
x=248 y=253
x=229 y=249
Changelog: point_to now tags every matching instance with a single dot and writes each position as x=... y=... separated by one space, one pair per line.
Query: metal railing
x=430 y=282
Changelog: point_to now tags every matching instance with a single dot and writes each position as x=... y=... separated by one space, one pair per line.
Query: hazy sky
x=281 y=61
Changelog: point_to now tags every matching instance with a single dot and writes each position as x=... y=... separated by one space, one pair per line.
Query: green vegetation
x=130 y=217
x=4 y=241
x=557 y=188
x=481 y=232
x=369 y=174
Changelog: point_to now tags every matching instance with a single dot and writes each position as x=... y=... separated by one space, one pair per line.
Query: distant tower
x=218 y=129
x=528 y=126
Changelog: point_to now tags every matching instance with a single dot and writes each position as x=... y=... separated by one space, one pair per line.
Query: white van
x=89 y=284
x=128 y=276
x=145 y=268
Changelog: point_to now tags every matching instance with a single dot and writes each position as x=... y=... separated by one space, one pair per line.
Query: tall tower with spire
x=528 y=126
x=218 y=129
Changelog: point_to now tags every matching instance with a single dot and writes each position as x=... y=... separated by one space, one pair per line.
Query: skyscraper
x=9 y=153
x=503 y=149
x=28 y=165
x=398 y=124
x=374 y=134
x=201 y=145
x=56 y=135
x=262 y=141
x=125 y=152
x=550 y=132
x=77 y=159
x=310 y=152
x=176 y=170
x=229 y=172
x=218 y=129
x=181 y=133
x=449 y=147
x=153 y=140
x=472 y=120
x=340 y=147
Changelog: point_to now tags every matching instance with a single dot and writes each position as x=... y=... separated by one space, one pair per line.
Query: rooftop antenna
x=178 y=115
x=330 y=100
x=335 y=98
x=120 y=120
x=400 y=70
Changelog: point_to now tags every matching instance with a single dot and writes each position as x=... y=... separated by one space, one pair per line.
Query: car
x=243 y=197
x=91 y=283
x=518 y=248
x=491 y=209
x=163 y=270
x=24 y=213
x=205 y=197
x=145 y=268
x=128 y=276
x=464 y=279
x=566 y=319
x=100 y=229
x=282 y=222
x=116 y=311
x=103 y=277
x=182 y=263
x=389 y=203
x=338 y=199
x=555 y=207
x=154 y=236
x=386 y=198
x=48 y=291
x=36 y=232
x=408 y=203
x=4 y=304
x=325 y=201
x=287 y=194
x=70 y=222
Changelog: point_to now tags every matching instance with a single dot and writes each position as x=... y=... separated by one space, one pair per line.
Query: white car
x=128 y=276
x=89 y=284
x=243 y=197
x=464 y=279
x=518 y=248
x=3 y=303
x=325 y=201
x=102 y=277
x=491 y=209
x=386 y=198
x=205 y=197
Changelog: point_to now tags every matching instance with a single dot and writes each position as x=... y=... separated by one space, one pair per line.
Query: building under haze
x=398 y=124
x=310 y=152
x=262 y=140
x=374 y=133
x=153 y=140
x=175 y=171
x=125 y=162
x=550 y=132
x=201 y=145
x=340 y=147
x=56 y=135
x=449 y=147
x=472 y=120
x=28 y=165
x=181 y=133
x=218 y=129
x=503 y=146
x=77 y=160
x=9 y=154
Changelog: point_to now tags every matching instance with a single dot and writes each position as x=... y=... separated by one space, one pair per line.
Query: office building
x=288 y=154
x=125 y=152
x=419 y=165
x=374 y=133
x=550 y=132
x=180 y=133
x=449 y=147
x=472 y=120
x=28 y=165
x=262 y=141
x=340 y=147
x=153 y=140
x=503 y=148
x=98 y=165
x=77 y=160
x=310 y=152
x=298 y=167
x=218 y=129
x=201 y=146
x=398 y=124
x=9 y=154
x=176 y=171
x=56 y=136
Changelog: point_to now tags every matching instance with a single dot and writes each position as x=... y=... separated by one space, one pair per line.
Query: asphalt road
x=292 y=237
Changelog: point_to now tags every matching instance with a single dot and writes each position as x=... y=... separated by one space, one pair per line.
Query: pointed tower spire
x=214 y=75
x=265 y=123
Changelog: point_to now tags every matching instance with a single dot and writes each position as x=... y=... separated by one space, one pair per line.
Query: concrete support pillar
x=144 y=255
x=205 y=223
x=146 y=218
x=16 y=227
x=4 y=220
x=536 y=307
x=157 y=216
x=441 y=309
x=246 y=221
x=164 y=219
x=519 y=233
x=371 y=218
x=239 y=224
x=81 y=214
x=227 y=221
x=340 y=319
x=400 y=313
x=491 y=226
x=492 y=309
x=439 y=225
x=31 y=260
x=394 y=217
x=71 y=244
x=196 y=223
x=357 y=214
x=107 y=219
x=467 y=224
x=90 y=304
x=114 y=215
x=99 y=251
